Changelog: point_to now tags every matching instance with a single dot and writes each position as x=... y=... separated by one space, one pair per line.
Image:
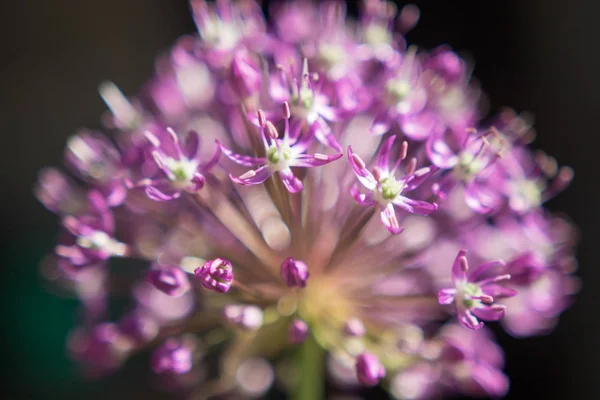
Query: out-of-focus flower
x=314 y=269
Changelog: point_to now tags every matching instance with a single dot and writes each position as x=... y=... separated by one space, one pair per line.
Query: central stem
x=311 y=382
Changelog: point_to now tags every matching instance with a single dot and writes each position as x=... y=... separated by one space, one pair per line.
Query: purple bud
x=369 y=370
x=139 y=326
x=216 y=275
x=298 y=331
x=170 y=280
x=174 y=356
x=245 y=316
x=294 y=273
x=354 y=327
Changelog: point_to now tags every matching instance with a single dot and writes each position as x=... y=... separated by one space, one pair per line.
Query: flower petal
x=498 y=291
x=446 y=296
x=490 y=313
x=291 y=182
x=481 y=198
x=415 y=206
x=419 y=126
x=159 y=195
x=248 y=161
x=360 y=170
x=467 y=319
x=383 y=161
x=364 y=199
x=313 y=160
x=381 y=124
x=481 y=269
x=253 y=177
x=439 y=152
x=388 y=217
x=321 y=130
x=459 y=268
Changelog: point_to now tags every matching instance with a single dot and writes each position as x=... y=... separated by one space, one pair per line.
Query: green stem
x=311 y=382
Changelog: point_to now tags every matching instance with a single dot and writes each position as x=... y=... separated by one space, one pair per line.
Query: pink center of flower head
x=294 y=252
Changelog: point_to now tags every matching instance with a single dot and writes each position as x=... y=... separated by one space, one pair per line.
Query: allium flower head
x=280 y=254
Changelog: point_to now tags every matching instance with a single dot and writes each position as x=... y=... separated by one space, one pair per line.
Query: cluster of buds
x=341 y=180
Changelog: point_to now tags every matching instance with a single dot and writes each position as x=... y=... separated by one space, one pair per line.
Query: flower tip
x=298 y=331
x=216 y=275
x=294 y=273
x=369 y=370
x=286 y=110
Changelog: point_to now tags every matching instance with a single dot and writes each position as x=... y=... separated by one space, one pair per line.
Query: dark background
x=536 y=55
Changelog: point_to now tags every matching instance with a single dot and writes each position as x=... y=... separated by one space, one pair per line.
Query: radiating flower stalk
x=309 y=197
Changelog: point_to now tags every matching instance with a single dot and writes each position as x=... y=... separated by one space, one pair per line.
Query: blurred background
x=538 y=55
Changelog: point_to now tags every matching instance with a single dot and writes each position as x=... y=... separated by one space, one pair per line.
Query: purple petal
x=313 y=160
x=157 y=195
x=361 y=171
x=483 y=268
x=490 y=313
x=459 y=268
x=446 y=296
x=480 y=198
x=415 y=206
x=490 y=379
x=388 y=217
x=419 y=176
x=468 y=320
x=198 y=181
x=498 y=291
x=292 y=184
x=213 y=160
x=320 y=129
x=248 y=161
x=383 y=161
x=364 y=199
x=381 y=124
x=439 y=152
x=253 y=177
x=419 y=126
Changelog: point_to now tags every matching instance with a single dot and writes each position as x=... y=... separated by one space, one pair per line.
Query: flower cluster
x=309 y=186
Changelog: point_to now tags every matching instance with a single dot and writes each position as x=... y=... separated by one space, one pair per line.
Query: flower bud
x=298 y=331
x=174 y=356
x=294 y=273
x=171 y=280
x=369 y=370
x=216 y=275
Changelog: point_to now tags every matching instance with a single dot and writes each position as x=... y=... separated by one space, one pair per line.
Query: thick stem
x=311 y=382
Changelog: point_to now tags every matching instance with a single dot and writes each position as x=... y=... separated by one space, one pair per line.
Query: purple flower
x=182 y=167
x=306 y=103
x=298 y=331
x=385 y=190
x=474 y=294
x=102 y=349
x=404 y=101
x=281 y=155
x=468 y=167
x=369 y=370
x=93 y=157
x=294 y=273
x=245 y=316
x=171 y=280
x=90 y=236
x=216 y=275
x=174 y=356
x=472 y=361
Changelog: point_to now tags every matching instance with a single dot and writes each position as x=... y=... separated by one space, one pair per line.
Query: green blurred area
x=36 y=325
